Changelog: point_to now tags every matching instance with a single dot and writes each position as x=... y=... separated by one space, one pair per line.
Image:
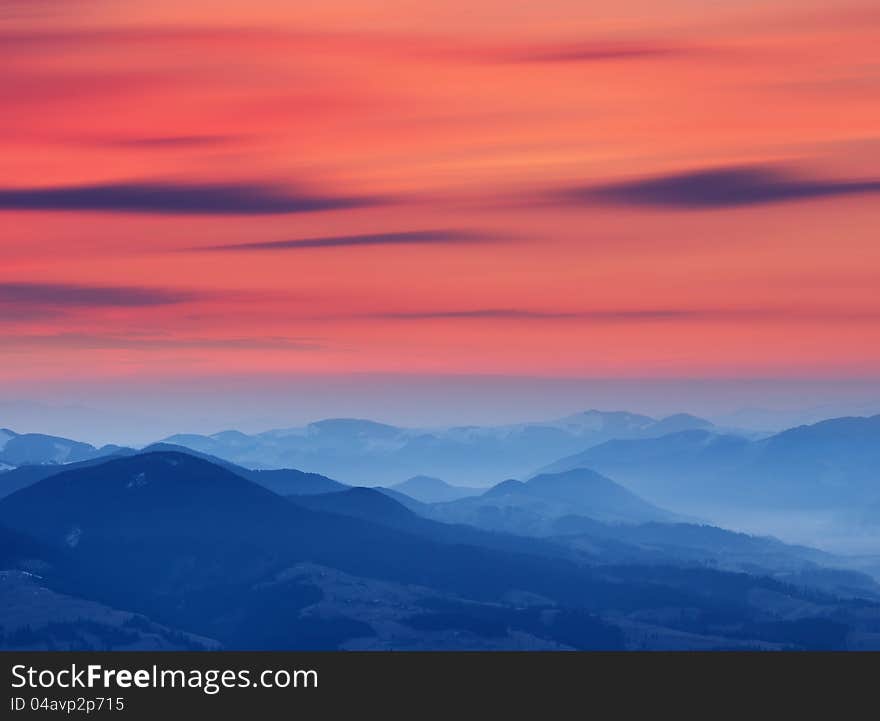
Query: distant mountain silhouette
x=18 y=449
x=359 y=502
x=595 y=496
x=290 y=481
x=718 y=548
x=827 y=465
x=679 y=422
x=191 y=545
x=530 y=508
x=27 y=475
x=652 y=542
x=433 y=490
x=377 y=506
x=362 y=451
x=154 y=529
x=404 y=500
x=282 y=481
x=683 y=444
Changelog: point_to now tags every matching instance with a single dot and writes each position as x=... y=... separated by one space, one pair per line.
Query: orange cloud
x=136 y=134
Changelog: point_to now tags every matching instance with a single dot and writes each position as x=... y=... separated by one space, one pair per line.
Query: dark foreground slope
x=193 y=546
x=282 y=480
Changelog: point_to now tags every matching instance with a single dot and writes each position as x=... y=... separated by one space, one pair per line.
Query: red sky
x=564 y=188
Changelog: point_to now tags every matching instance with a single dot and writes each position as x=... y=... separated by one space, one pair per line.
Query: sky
x=270 y=197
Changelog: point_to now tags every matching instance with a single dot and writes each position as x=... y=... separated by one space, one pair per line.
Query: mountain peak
x=681 y=422
x=230 y=435
x=425 y=482
x=509 y=486
x=429 y=489
x=135 y=495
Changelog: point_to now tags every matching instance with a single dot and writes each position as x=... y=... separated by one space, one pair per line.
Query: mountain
x=667 y=465
x=602 y=542
x=574 y=537
x=185 y=541
x=38 y=618
x=679 y=422
x=35 y=617
x=718 y=548
x=290 y=481
x=433 y=490
x=373 y=453
x=531 y=507
x=187 y=544
x=828 y=465
x=365 y=503
x=27 y=475
x=282 y=481
x=376 y=506
x=18 y=449
x=404 y=500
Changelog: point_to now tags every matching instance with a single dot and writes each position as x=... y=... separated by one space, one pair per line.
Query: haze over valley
x=596 y=530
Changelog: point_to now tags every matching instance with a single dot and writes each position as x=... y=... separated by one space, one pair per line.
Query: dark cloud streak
x=24 y=297
x=413 y=237
x=89 y=341
x=526 y=314
x=726 y=187
x=591 y=52
x=170 y=198
x=174 y=141
x=647 y=315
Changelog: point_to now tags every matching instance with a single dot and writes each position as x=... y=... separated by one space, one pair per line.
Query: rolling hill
x=18 y=449
x=828 y=465
x=282 y=480
x=531 y=507
x=190 y=545
x=370 y=453
x=433 y=490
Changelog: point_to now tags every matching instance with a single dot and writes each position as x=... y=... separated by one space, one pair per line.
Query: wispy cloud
x=588 y=52
x=45 y=295
x=257 y=39
x=172 y=198
x=725 y=187
x=412 y=237
x=160 y=142
x=530 y=314
x=91 y=341
x=475 y=313
x=635 y=315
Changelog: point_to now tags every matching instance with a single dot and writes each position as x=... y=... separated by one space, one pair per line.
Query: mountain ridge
x=367 y=452
x=830 y=464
